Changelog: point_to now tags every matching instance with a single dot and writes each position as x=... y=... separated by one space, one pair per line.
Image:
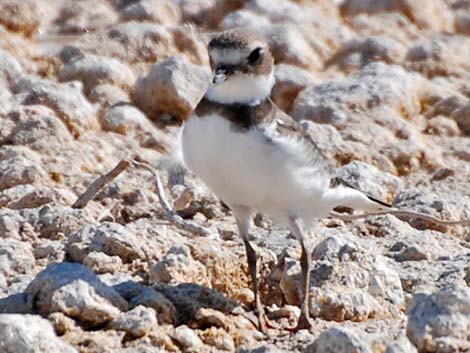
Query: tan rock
x=433 y=15
x=20 y=16
x=462 y=118
x=66 y=100
x=290 y=81
x=85 y=16
x=172 y=87
x=94 y=70
x=162 y=12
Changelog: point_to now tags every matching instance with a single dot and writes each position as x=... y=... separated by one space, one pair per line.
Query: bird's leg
x=252 y=266
x=305 y=322
x=243 y=218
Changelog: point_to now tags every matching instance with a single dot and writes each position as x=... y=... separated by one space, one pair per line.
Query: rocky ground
x=382 y=86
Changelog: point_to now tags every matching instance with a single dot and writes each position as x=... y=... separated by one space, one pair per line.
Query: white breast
x=251 y=168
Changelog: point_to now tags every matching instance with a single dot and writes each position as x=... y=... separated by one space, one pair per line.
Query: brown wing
x=288 y=127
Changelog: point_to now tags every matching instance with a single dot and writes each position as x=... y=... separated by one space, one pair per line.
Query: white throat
x=241 y=88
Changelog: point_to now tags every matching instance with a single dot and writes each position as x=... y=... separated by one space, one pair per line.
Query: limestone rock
x=172 y=87
x=187 y=337
x=440 y=55
x=178 y=266
x=66 y=100
x=15 y=257
x=341 y=340
x=85 y=16
x=162 y=12
x=37 y=127
x=290 y=81
x=244 y=18
x=375 y=86
x=136 y=322
x=289 y=46
x=376 y=183
x=357 y=53
x=165 y=310
x=10 y=69
x=108 y=95
x=94 y=70
x=20 y=16
x=368 y=284
x=102 y=263
x=110 y=238
x=401 y=345
x=126 y=119
x=19 y=166
x=432 y=15
x=75 y=291
x=30 y=334
x=439 y=322
x=462 y=118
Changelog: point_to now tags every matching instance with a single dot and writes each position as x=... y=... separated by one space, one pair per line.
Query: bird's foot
x=304 y=323
x=265 y=323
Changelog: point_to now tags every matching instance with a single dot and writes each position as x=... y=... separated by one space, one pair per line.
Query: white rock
x=75 y=291
x=10 y=222
x=29 y=334
x=358 y=52
x=19 y=166
x=136 y=322
x=288 y=45
x=440 y=322
x=430 y=14
x=15 y=257
x=48 y=248
x=10 y=69
x=94 y=70
x=290 y=81
x=462 y=118
x=401 y=345
x=173 y=86
x=165 y=310
x=38 y=127
x=102 y=263
x=243 y=18
x=163 y=12
x=348 y=281
x=377 y=85
x=177 y=266
x=187 y=337
x=126 y=119
x=341 y=340
x=20 y=16
x=441 y=55
x=108 y=95
x=110 y=238
x=86 y=16
x=66 y=100
x=371 y=180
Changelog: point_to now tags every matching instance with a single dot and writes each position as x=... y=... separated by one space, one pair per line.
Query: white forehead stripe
x=226 y=56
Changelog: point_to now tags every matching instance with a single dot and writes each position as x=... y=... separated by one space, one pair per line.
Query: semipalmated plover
x=256 y=158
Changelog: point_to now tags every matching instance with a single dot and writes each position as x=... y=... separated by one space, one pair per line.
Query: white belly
x=250 y=169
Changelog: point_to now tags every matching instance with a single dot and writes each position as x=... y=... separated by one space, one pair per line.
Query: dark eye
x=255 y=56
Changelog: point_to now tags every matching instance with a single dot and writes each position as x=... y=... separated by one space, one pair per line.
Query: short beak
x=220 y=75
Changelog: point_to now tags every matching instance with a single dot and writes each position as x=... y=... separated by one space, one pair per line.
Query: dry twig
x=169 y=212
x=99 y=183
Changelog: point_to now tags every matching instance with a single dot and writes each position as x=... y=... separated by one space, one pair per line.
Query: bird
x=256 y=158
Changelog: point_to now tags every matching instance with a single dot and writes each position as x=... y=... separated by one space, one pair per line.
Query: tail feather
x=350 y=196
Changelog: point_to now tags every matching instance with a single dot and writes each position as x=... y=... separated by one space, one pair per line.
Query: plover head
x=243 y=68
